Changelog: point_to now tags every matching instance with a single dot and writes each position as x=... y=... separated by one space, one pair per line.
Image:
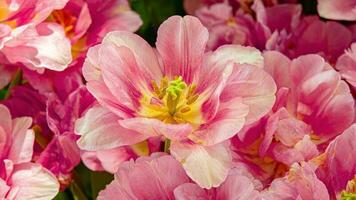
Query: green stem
x=15 y=81
x=167 y=144
x=78 y=194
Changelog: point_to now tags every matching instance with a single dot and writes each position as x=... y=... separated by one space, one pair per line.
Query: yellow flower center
x=172 y=102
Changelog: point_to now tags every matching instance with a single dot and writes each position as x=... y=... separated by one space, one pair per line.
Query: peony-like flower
x=196 y=101
x=338 y=166
x=153 y=177
x=25 y=39
x=19 y=178
x=337 y=9
x=313 y=106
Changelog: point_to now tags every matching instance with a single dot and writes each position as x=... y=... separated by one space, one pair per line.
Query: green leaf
x=153 y=13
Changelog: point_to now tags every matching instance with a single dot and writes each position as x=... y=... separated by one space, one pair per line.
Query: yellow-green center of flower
x=350 y=192
x=172 y=101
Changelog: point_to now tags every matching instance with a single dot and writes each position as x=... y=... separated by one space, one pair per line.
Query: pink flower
x=167 y=93
x=337 y=9
x=346 y=64
x=25 y=39
x=338 y=166
x=20 y=179
x=153 y=177
x=313 y=106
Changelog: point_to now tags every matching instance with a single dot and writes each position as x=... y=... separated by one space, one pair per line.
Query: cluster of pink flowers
x=240 y=100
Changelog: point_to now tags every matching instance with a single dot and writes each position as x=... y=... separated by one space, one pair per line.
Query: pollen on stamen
x=185 y=109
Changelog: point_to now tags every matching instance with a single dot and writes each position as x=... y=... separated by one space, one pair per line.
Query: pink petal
x=100 y=130
x=227 y=122
x=148 y=178
x=208 y=166
x=23 y=139
x=112 y=159
x=255 y=87
x=238 y=186
x=181 y=44
x=278 y=66
x=154 y=127
x=40 y=183
x=190 y=191
x=42 y=47
x=337 y=9
x=96 y=85
x=6 y=121
x=339 y=166
x=145 y=57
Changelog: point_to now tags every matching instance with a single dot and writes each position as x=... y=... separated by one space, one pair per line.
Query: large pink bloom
x=194 y=99
x=337 y=9
x=20 y=179
x=338 y=166
x=314 y=105
x=25 y=39
x=153 y=177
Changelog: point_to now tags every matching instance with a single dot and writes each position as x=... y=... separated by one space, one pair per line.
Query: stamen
x=155 y=87
x=164 y=83
x=192 y=99
x=191 y=90
x=185 y=109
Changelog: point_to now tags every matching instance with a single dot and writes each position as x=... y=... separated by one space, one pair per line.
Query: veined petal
x=6 y=121
x=255 y=87
x=23 y=139
x=229 y=119
x=145 y=57
x=154 y=127
x=97 y=87
x=208 y=166
x=100 y=130
x=33 y=182
x=181 y=43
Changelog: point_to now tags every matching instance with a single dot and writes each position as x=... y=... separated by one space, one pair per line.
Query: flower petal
x=181 y=43
x=40 y=184
x=100 y=130
x=208 y=166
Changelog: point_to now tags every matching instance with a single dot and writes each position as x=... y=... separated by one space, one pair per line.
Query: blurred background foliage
x=153 y=13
